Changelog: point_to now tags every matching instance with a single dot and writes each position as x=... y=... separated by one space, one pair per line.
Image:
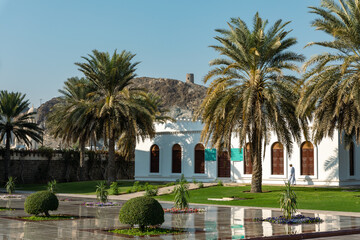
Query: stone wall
x=64 y=166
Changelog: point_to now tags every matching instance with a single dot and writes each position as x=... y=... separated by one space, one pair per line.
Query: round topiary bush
x=144 y=211
x=41 y=202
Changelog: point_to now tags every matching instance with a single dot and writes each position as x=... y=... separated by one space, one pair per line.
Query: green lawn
x=333 y=199
x=85 y=187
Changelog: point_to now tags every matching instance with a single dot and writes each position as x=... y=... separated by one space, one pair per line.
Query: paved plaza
x=217 y=222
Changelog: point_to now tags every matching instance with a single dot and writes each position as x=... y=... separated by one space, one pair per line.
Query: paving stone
x=217 y=222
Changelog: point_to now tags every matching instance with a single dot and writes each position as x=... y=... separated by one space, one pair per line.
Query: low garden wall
x=40 y=166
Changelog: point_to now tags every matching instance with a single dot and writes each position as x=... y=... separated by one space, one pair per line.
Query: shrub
x=46 y=151
x=114 y=187
x=194 y=181
x=101 y=193
x=143 y=211
x=10 y=185
x=200 y=185
x=52 y=186
x=41 y=202
x=142 y=187
x=220 y=183
x=181 y=194
x=288 y=203
x=150 y=190
x=136 y=186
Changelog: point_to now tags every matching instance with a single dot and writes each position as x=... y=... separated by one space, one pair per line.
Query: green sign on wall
x=237 y=154
x=210 y=154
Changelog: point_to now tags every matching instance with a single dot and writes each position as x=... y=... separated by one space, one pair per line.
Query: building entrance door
x=224 y=165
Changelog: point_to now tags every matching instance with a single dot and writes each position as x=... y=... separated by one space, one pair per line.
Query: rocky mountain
x=45 y=108
x=180 y=98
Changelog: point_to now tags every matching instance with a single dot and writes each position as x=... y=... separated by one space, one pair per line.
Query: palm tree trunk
x=82 y=153
x=7 y=156
x=111 y=163
x=256 y=179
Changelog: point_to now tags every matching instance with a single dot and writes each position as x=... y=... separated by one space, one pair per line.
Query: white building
x=177 y=150
x=16 y=144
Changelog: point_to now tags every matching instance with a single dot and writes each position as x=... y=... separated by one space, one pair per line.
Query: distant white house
x=16 y=144
x=177 y=150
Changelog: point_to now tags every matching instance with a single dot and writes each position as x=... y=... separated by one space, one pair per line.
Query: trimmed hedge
x=41 y=202
x=144 y=211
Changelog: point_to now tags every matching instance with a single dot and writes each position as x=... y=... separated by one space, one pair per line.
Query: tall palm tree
x=119 y=108
x=14 y=121
x=73 y=118
x=251 y=95
x=332 y=89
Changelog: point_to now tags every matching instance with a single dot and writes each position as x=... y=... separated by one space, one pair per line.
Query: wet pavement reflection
x=215 y=223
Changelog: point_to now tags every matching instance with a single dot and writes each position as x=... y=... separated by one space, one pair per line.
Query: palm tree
x=73 y=118
x=141 y=127
x=14 y=121
x=251 y=96
x=120 y=109
x=332 y=89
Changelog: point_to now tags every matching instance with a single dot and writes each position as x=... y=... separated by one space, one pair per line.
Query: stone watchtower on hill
x=189 y=78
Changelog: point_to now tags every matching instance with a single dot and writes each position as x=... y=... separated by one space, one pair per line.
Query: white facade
x=331 y=159
x=16 y=144
x=21 y=145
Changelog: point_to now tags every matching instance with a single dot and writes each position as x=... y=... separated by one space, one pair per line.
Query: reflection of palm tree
x=331 y=93
x=13 y=121
x=8 y=203
x=291 y=229
x=250 y=93
x=253 y=229
x=179 y=220
x=28 y=232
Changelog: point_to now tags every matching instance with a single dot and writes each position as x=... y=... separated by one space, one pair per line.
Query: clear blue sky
x=41 y=39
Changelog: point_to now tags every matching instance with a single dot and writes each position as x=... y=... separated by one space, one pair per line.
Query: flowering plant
x=183 y=210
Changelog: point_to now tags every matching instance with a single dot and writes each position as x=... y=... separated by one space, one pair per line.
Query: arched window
x=176 y=158
x=307 y=158
x=154 y=158
x=199 y=158
x=277 y=159
x=247 y=158
x=351 y=159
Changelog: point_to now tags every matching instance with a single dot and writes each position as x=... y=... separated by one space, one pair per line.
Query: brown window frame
x=281 y=172
x=176 y=168
x=199 y=164
x=153 y=168
x=306 y=172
